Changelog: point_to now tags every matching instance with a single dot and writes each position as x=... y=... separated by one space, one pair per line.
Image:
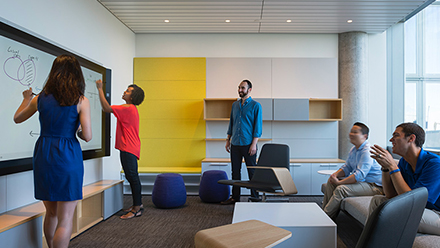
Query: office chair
x=394 y=223
x=271 y=175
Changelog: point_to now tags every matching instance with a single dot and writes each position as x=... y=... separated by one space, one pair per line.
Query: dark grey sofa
x=357 y=207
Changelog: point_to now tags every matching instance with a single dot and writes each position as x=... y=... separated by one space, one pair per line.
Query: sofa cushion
x=357 y=207
x=426 y=240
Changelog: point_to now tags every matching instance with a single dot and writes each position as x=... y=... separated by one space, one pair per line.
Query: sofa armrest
x=357 y=207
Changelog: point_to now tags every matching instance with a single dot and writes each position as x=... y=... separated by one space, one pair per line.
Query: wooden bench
x=23 y=227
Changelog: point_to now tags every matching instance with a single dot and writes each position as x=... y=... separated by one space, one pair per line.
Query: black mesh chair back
x=274 y=155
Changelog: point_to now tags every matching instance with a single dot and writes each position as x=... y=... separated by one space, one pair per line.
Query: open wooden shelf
x=325 y=109
x=218 y=109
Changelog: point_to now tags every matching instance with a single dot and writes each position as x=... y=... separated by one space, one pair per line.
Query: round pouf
x=211 y=191
x=169 y=191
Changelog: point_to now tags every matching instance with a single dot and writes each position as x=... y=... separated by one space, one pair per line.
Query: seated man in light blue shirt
x=361 y=174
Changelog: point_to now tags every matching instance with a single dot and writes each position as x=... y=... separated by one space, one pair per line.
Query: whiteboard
x=24 y=66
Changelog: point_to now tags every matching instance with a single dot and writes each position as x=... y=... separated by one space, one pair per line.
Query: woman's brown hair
x=65 y=81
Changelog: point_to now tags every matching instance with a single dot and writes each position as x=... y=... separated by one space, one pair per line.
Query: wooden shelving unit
x=219 y=109
x=100 y=200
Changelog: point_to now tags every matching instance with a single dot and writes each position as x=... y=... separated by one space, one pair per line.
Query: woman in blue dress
x=64 y=113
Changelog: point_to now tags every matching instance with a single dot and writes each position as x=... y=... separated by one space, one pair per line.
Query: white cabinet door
x=301 y=174
x=319 y=179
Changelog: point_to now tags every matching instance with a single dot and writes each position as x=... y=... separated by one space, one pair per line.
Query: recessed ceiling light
x=166 y=20
x=289 y=21
x=227 y=20
x=349 y=21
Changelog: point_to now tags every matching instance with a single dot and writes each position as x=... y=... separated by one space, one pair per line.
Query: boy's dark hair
x=364 y=128
x=137 y=95
x=412 y=128
x=248 y=83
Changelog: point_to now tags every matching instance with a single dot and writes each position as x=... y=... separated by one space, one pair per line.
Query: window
x=422 y=73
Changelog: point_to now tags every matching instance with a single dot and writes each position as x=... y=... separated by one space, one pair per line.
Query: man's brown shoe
x=228 y=201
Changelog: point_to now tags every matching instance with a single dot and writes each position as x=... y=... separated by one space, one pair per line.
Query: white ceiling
x=262 y=16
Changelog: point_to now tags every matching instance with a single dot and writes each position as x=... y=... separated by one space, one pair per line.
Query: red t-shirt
x=127 y=129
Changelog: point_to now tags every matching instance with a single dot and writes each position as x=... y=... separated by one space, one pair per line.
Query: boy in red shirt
x=127 y=140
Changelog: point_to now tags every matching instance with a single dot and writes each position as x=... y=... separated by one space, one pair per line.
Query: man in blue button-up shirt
x=245 y=127
x=362 y=173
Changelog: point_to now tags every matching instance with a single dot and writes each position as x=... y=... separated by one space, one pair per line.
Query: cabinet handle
x=323 y=165
x=295 y=165
x=332 y=165
x=218 y=164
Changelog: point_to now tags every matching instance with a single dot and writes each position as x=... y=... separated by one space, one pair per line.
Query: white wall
x=278 y=46
x=255 y=56
x=85 y=28
x=238 y=45
x=377 y=89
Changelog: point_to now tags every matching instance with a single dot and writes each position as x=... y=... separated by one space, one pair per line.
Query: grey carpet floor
x=177 y=227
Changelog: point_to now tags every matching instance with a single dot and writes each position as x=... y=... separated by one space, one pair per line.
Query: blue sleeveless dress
x=58 y=162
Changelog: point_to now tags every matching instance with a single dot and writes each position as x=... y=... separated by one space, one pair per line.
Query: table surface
x=246 y=234
x=327 y=172
x=282 y=214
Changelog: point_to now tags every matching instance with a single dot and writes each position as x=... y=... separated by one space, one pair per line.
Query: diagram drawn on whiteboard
x=22 y=71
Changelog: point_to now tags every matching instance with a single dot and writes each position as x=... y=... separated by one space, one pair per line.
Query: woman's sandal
x=135 y=214
x=131 y=208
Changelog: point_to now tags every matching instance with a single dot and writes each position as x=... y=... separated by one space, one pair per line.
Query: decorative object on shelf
x=210 y=191
x=169 y=191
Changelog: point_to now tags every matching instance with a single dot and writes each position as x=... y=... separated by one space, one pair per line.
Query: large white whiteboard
x=22 y=67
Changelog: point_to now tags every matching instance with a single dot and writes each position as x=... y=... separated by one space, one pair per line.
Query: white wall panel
x=223 y=75
x=20 y=189
x=310 y=148
x=238 y=45
x=216 y=149
x=217 y=129
x=3 y=189
x=377 y=89
x=305 y=78
x=305 y=130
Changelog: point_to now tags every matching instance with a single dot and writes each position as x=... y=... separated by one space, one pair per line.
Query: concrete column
x=353 y=88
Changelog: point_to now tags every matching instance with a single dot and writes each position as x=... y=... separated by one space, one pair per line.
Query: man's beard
x=243 y=94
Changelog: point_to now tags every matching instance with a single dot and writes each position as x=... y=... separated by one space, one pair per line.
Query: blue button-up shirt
x=246 y=122
x=364 y=168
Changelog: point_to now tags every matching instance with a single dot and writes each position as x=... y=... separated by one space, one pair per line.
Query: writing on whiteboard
x=17 y=69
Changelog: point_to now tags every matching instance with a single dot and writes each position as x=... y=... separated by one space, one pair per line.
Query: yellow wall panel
x=172 y=129
x=171 y=109
x=180 y=69
x=172 y=89
x=172 y=153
